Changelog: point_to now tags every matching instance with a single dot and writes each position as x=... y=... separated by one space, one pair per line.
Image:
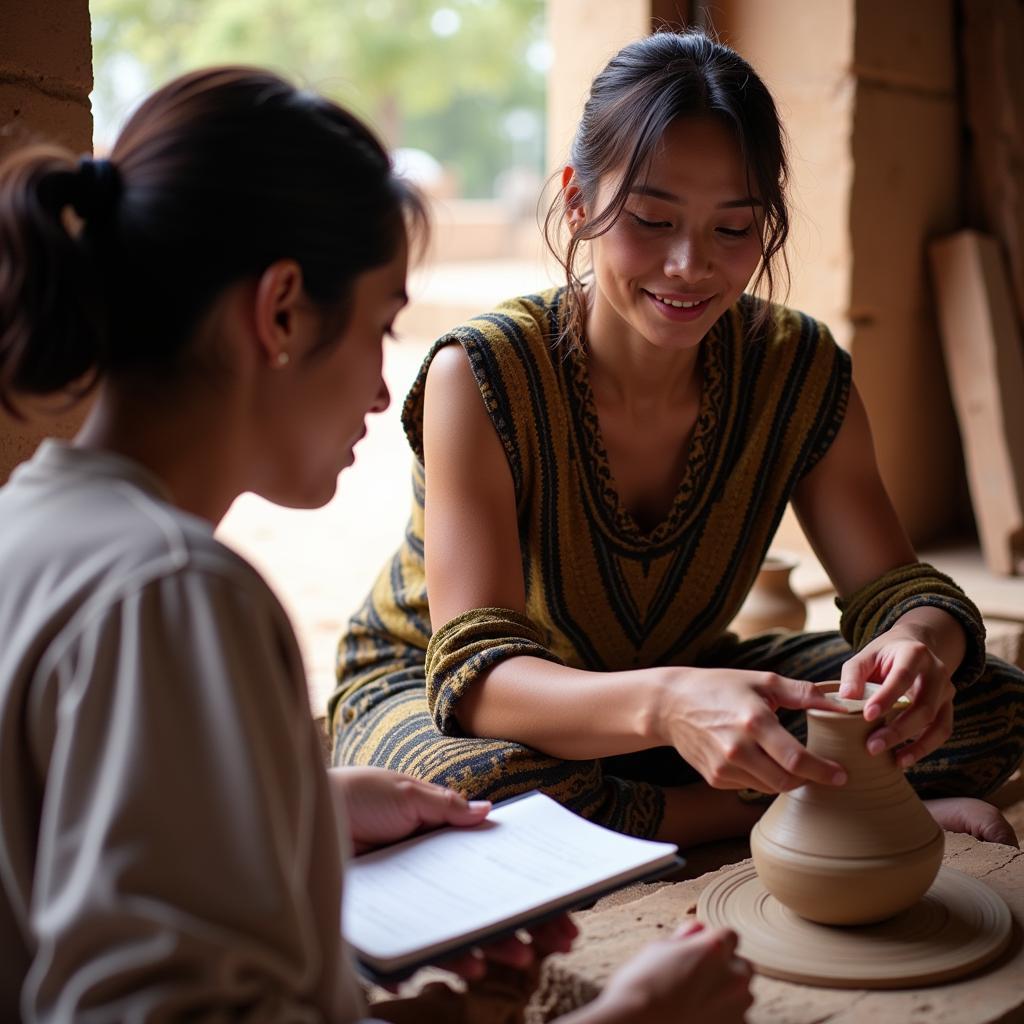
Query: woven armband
x=875 y=608
x=469 y=645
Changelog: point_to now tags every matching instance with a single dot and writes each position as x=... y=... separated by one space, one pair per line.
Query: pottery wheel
x=959 y=925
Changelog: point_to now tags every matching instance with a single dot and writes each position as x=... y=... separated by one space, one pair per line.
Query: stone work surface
x=616 y=929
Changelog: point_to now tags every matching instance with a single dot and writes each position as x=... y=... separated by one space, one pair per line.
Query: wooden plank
x=985 y=364
x=992 y=52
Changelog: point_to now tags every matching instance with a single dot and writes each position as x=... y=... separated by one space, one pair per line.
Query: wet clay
x=852 y=854
x=845 y=888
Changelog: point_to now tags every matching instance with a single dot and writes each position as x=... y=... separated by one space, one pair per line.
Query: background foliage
x=461 y=79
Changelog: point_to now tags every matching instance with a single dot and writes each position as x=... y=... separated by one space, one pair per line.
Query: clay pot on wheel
x=771 y=602
x=852 y=854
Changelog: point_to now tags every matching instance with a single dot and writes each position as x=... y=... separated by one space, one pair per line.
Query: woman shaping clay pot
x=600 y=470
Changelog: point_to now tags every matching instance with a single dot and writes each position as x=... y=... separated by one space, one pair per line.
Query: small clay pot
x=852 y=854
x=771 y=601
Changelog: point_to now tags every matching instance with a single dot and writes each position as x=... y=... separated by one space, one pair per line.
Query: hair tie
x=98 y=187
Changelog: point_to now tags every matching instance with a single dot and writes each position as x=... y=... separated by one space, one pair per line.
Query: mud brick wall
x=45 y=80
x=868 y=94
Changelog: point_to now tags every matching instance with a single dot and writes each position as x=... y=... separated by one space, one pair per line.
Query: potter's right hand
x=693 y=976
x=722 y=722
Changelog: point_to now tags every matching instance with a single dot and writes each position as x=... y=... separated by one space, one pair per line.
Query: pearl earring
x=281 y=360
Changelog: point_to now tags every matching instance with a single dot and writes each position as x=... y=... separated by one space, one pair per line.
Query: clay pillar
x=867 y=92
x=906 y=148
x=45 y=80
x=803 y=53
x=584 y=35
x=993 y=58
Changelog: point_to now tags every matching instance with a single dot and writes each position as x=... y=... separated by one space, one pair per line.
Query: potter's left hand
x=906 y=665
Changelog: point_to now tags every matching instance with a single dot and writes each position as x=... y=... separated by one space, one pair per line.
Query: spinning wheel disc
x=959 y=925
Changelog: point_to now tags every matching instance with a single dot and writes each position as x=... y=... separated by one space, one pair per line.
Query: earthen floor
x=621 y=924
x=616 y=928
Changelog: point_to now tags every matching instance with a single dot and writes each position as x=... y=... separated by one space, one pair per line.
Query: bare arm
x=849 y=519
x=845 y=511
x=473 y=560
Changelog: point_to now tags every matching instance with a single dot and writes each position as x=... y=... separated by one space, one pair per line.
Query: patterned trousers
x=385 y=722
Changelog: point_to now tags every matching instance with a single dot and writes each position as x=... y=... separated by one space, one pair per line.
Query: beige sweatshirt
x=168 y=847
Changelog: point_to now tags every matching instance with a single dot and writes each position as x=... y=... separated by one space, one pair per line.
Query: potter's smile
x=680 y=303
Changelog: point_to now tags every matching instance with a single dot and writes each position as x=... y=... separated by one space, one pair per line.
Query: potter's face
x=686 y=243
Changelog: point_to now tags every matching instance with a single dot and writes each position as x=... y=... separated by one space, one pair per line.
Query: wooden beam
x=985 y=364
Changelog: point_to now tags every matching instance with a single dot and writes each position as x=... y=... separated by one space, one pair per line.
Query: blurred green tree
x=463 y=79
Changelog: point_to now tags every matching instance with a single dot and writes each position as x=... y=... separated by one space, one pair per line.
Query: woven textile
x=601 y=592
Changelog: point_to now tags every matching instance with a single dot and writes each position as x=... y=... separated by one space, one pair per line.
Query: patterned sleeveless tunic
x=601 y=593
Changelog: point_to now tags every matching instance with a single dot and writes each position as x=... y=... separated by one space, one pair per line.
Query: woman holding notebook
x=170 y=844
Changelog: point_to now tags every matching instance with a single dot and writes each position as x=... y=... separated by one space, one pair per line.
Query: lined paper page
x=458 y=882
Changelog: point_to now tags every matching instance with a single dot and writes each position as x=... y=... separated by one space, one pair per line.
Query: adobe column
x=867 y=92
x=45 y=81
x=584 y=36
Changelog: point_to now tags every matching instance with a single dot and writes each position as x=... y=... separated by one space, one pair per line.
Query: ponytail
x=107 y=267
x=52 y=323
